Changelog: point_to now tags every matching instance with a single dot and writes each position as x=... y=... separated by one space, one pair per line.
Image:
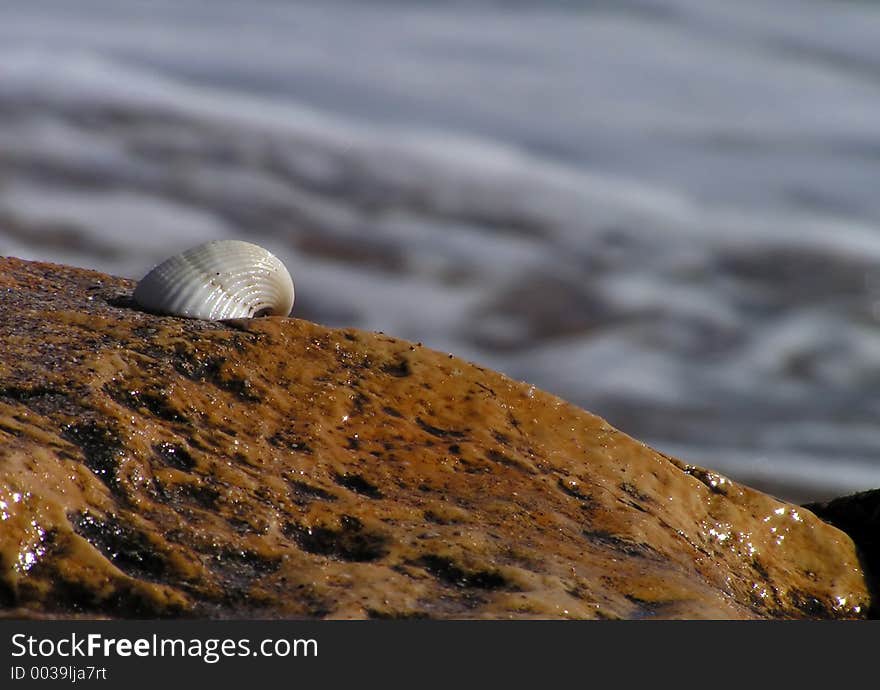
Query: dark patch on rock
x=196 y=367
x=497 y=456
x=646 y=607
x=175 y=455
x=438 y=432
x=40 y=399
x=100 y=446
x=573 y=489
x=178 y=495
x=350 y=542
x=501 y=438
x=357 y=483
x=243 y=388
x=125 y=601
x=125 y=301
x=445 y=569
x=127 y=548
x=238 y=569
x=301 y=492
x=399 y=368
x=621 y=545
x=211 y=369
x=289 y=440
x=155 y=402
x=809 y=605
x=25 y=394
x=632 y=490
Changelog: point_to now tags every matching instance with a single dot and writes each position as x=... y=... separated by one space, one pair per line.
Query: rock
x=859 y=516
x=155 y=466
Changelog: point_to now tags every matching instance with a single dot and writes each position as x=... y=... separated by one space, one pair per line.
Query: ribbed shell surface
x=222 y=279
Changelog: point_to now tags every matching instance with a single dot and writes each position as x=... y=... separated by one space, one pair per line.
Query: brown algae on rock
x=158 y=466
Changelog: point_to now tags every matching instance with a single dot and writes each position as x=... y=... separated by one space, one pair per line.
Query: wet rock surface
x=859 y=516
x=156 y=466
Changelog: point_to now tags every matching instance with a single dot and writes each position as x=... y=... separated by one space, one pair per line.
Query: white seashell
x=223 y=279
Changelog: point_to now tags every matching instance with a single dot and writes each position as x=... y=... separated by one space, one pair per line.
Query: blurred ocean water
x=665 y=211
